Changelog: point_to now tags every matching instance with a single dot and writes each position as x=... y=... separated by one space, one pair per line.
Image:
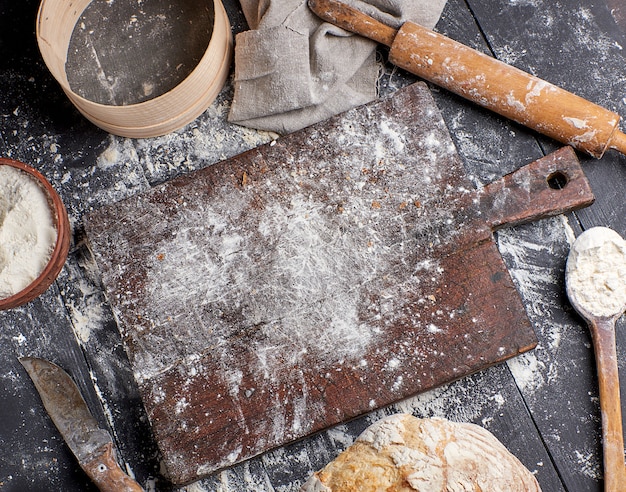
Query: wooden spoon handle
x=603 y=335
x=488 y=82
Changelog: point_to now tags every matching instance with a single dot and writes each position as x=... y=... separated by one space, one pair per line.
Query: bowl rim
x=153 y=117
x=61 y=248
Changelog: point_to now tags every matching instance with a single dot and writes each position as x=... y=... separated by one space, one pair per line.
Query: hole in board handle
x=557 y=180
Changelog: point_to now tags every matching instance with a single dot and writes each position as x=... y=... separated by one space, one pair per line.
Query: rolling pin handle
x=353 y=20
x=618 y=142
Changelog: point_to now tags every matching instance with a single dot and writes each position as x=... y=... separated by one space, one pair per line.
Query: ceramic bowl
x=61 y=248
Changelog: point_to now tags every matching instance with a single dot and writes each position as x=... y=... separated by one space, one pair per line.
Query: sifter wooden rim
x=56 y=20
x=61 y=248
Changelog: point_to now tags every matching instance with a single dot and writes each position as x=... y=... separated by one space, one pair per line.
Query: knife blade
x=91 y=445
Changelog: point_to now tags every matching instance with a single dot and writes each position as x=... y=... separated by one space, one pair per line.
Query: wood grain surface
x=543 y=404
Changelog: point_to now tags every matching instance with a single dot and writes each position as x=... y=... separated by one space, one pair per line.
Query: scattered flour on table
x=86 y=303
x=596 y=272
x=195 y=487
x=524 y=253
x=589 y=464
x=27 y=231
x=207 y=140
x=86 y=311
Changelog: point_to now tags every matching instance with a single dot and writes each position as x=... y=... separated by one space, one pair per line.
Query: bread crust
x=402 y=453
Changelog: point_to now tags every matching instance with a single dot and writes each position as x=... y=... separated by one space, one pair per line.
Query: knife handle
x=107 y=474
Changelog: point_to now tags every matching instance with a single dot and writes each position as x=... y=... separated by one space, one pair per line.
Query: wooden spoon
x=596 y=286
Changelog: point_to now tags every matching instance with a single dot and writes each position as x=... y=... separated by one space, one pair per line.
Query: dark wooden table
x=542 y=405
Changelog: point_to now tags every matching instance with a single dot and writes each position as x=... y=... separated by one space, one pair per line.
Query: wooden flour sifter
x=506 y=90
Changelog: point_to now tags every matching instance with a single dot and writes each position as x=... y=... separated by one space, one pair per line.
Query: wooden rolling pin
x=490 y=83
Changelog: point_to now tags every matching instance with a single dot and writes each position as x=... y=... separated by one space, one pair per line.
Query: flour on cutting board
x=297 y=270
x=295 y=274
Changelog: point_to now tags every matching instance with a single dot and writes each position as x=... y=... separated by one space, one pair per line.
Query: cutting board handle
x=549 y=186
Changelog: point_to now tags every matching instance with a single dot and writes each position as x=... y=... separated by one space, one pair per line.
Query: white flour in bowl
x=27 y=231
x=596 y=272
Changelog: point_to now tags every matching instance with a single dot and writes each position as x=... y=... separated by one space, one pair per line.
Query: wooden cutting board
x=332 y=272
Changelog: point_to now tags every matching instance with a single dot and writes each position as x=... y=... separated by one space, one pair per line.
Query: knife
x=92 y=446
x=488 y=82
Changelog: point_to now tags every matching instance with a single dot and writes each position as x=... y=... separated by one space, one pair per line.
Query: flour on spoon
x=596 y=272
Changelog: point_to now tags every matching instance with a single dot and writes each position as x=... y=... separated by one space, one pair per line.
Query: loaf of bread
x=403 y=453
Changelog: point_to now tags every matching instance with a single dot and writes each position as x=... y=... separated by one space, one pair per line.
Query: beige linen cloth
x=292 y=69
